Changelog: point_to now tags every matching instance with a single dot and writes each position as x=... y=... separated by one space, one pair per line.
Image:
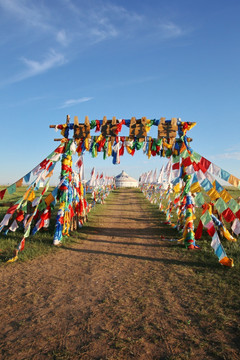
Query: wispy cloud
x=30 y=13
x=171 y=30
x=95 y=20
x=34 y=67
x=22 y=102
x=72 y=102
x=75 y=26
x=52 y=60
x=227 y=156
x=62 y=37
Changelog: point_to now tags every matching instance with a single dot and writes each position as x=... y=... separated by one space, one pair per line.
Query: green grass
x=42 y=242
x=206 y=255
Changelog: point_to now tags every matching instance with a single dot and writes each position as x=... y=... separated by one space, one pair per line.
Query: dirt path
x=119 y=294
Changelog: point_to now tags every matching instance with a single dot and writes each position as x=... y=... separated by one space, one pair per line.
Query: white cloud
x=231 y=155
x=75 y=26
x=23 y=102
x=27 y=12
x=72 y=102
x=62 y=37
x=52 y=60
x=98 y=21
x=171 y=30
x=95 y=21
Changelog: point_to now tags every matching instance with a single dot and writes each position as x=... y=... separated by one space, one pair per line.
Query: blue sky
x=118 y=58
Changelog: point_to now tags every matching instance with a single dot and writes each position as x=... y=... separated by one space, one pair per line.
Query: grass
x=206 y=256
x=41 y=243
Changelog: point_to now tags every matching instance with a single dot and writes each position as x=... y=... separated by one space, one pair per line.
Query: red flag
x=176 y=166
x=12 y=209
x=44 y=163
x=2 y=193
x=97 y=126
x=228 y=215
x=198 y=232
x=186 y=162
x=79 y=162
x=121 y=150
x=60 y=149
x=210 y=228
x=21 y=245
x=71 y=211
x=204 y=164
x=20 y=216
x=196 y=166
x=237 y=214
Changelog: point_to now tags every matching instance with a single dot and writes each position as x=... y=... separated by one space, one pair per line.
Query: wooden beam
x=76 y=120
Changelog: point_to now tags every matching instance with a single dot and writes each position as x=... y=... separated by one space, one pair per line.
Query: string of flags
x=32 y=213
x=42 y=171
x=171 y=133
x=187 y=176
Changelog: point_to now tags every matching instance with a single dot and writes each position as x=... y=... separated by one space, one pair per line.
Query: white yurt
x=124 y=180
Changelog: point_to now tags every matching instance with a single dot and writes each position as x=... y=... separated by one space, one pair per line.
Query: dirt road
x=120 y=293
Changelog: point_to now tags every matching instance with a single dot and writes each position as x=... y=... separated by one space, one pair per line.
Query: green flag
x=199 y=199
x=233 y=205
x=11 y=189
x=196 y=157
x=206 y=218
x=220 y=205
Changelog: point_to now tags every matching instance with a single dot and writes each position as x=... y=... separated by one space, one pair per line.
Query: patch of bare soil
x=119 y=294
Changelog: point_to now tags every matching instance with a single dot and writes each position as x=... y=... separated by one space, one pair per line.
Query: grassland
x=41 y=242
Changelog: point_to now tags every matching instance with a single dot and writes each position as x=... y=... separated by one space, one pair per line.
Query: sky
x=127 y=58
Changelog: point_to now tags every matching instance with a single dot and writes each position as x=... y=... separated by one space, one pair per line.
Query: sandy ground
x=120 y=293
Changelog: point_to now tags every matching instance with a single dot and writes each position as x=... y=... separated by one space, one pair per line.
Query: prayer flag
x=225 y=195
x=27 y=177
x=11 y=189
x=224 y=175
x=206 y=218
x=220 y=205
x=199 y=199
x=233 y=205
x=206 y=185
x=2 y=193
x=234 y=181
x=228 y=215
x=236 y=226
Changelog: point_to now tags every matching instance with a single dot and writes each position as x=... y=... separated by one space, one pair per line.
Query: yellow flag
x=225 y=195
x=31 y=196
x=213 y=194
x=109 y=152
x=49 y=199
x=195 y=187
x=227 y=235
x=149 y=147
x=12 y=259
x=177 y=188
x=234 y=181
x=86 y=143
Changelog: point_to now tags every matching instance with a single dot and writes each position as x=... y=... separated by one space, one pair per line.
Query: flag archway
x=186 y=171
